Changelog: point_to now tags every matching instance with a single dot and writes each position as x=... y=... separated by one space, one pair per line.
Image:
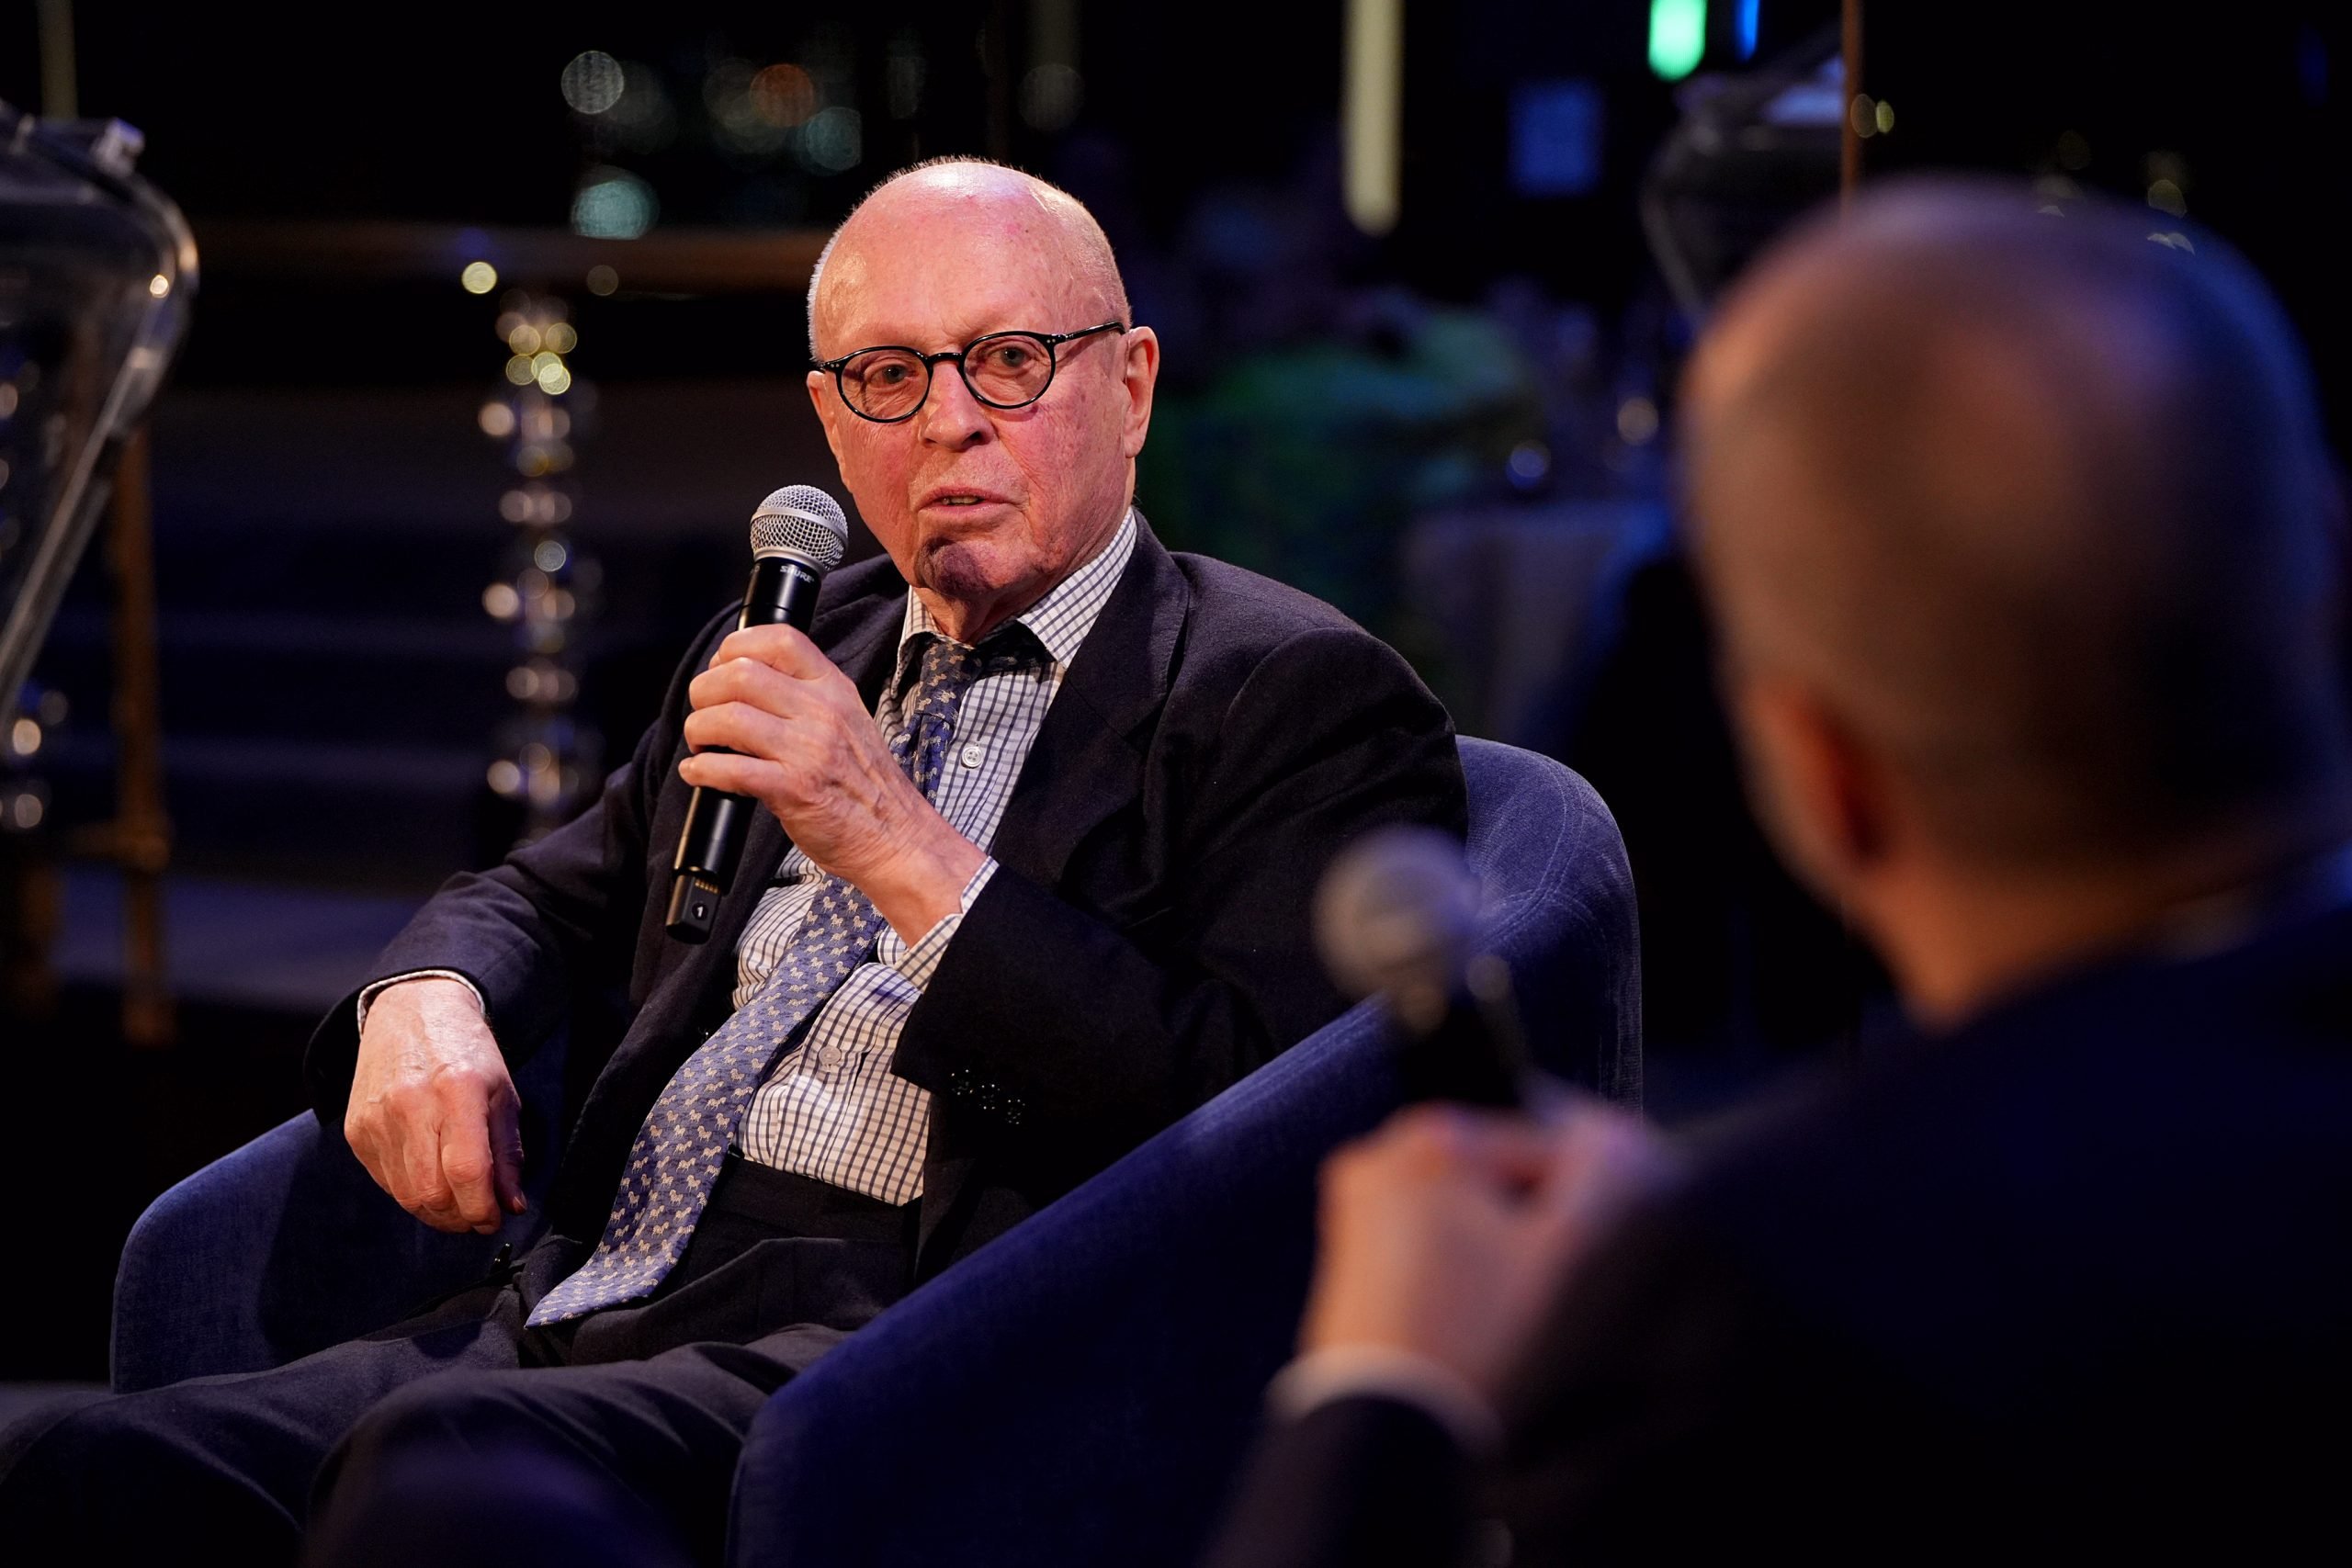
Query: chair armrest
x=286 y=1246
x=1094 y=1353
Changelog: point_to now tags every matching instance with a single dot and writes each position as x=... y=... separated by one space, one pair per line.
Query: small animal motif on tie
x=679 y=1151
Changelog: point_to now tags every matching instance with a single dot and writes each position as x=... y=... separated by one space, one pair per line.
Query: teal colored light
x=1677 y=37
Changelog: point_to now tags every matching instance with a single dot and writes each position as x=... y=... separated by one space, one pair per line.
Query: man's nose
x=951 y=416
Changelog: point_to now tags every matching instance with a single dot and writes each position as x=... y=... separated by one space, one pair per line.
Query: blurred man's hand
x=1448 y=1232
x=434 y=1113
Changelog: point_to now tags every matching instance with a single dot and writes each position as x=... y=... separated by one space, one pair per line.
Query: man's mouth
x=961 y=498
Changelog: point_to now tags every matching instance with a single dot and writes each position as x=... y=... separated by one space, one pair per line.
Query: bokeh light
x=614 y=204
x=739 y=122
x=594 y=82
x=1677 y=37
x=1529 y=463
x=784 y=95
x=1637 y=421
x=479 y=277
x=834 y=141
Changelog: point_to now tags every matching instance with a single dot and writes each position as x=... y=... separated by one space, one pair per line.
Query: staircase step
x=232 y=940
x=393 y=817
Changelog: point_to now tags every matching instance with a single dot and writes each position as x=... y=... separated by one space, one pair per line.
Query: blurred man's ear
x=1139 y=371
x=1820 y=793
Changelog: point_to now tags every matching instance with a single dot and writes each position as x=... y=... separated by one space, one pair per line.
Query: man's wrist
x=1402 y=1376
x=924 y=881
x=371 y=995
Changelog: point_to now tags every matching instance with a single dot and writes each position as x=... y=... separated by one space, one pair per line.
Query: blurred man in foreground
x=2025 y=548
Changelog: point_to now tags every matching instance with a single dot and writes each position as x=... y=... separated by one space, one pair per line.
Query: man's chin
x=973 y=573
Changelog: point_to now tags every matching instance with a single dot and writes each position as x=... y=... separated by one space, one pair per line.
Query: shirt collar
x=1060 y=619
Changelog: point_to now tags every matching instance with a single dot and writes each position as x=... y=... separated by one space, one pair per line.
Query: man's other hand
x=798 y=738
x=1448 y=1233
x=434 y=1115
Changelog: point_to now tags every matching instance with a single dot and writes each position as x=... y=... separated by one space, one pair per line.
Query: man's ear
x=1821 y=792
x=1140 y=369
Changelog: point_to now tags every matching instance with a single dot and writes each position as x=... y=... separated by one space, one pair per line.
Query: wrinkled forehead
x=941 y=268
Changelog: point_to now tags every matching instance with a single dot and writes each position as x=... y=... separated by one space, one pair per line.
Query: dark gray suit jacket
x=1144 y=943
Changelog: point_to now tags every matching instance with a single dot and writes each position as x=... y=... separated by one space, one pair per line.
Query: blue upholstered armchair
x=1097 y=1371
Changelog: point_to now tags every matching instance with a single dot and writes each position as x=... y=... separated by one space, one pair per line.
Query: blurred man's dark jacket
x=2073 y=1280
x=1144 y=943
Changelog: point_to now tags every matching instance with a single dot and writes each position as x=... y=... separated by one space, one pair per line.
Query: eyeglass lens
x=1008 y=371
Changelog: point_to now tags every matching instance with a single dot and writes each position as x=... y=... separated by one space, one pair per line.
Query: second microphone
x=797 y=535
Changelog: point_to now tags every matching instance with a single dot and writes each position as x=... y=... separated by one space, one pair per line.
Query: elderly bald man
x=2027 y=556
x=943 y=992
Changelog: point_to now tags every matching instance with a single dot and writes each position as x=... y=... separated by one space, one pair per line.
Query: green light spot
x=1677 y=37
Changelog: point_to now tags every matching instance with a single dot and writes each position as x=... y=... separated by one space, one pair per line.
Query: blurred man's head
x=2023 y=539
x=983 y=508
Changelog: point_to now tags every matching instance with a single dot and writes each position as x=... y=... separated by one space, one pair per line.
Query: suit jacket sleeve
x=565 y=905
x=1050 y=1007
x=1356 y=1481
x=1618 y=1447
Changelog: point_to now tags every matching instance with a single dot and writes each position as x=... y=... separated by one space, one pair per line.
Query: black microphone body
x=782 y=592
x=1475 y=1053
x=1398 y=918
x=797 y=535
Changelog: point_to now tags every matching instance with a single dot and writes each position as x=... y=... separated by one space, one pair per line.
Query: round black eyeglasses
x=1002 y=370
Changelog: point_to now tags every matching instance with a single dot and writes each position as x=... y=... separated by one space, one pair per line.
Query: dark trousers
x=461 y=1435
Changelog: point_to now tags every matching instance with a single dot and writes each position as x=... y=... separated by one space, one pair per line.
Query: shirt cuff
x=372 y=992
x=922 y=958
x=1405 y=1377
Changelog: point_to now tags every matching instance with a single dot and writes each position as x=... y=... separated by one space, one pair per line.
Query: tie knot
x=947 y=669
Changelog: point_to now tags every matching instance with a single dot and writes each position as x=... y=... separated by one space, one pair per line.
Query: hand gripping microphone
x=1396 y=917
x=797 y=535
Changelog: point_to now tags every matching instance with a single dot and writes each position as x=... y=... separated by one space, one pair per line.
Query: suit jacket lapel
x=1086 y=765
x=1087 y=761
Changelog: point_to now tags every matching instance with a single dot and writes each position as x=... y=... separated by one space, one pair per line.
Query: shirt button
x=829 y=1059
x=972 y=755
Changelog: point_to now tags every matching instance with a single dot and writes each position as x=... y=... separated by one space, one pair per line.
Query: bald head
x=2038 y=507
x=969 y=196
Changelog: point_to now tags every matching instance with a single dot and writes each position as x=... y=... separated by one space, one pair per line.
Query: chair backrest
x=1081 y=1390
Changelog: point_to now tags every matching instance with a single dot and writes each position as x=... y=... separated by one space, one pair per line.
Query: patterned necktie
x=679 y=1151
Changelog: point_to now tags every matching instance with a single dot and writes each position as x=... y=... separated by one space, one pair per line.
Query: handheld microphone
x=1396 y=917
x=797 y=535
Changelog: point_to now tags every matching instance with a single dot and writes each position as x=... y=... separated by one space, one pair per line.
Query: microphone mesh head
x=1397 y=917
x=804 y=523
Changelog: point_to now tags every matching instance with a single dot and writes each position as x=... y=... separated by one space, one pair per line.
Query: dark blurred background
x=426 y=541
